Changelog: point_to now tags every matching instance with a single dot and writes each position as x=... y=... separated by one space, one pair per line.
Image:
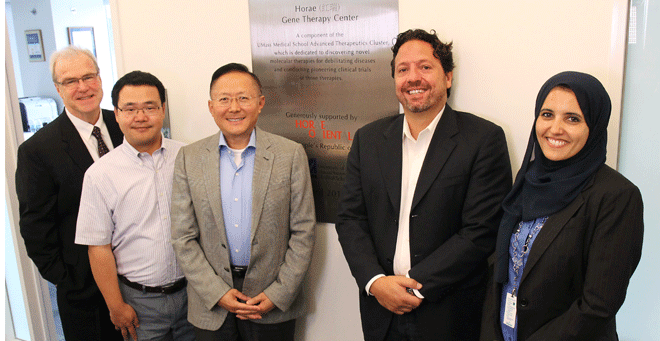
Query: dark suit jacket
x=579 y=266
x=49 y=178
x=453 y=221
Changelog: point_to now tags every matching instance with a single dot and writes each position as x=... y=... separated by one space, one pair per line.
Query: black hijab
x=544 y=187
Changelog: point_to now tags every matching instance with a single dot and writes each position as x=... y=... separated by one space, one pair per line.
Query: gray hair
x=69 y=52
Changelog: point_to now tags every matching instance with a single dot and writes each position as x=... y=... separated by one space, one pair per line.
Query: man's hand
x=125 y=320
x=390 y=291
x=104 y=268
x=234 y=302
x=262 y=302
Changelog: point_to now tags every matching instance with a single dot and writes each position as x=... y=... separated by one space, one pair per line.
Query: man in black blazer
x=420 y=208
x=49 y=178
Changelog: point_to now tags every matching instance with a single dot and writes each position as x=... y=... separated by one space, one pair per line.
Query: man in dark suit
x=420 y=207
x=49 y=178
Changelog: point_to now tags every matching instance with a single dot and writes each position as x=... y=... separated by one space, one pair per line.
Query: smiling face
x=560 y=128
x=81 y=99
x=421 y=83
x=142 y=128
x=237 y=120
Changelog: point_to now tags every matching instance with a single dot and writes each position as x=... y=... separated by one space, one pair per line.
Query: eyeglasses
x=148 y=110
x=88 y=79
x=243 y=100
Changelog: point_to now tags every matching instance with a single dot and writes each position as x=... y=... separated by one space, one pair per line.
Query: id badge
x=510 y=311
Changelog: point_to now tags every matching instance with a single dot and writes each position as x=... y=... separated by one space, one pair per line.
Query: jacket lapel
x=389 y=158
x=263 y=167
x=211 y=168
x=438 y=153
x=549 y=232
x=73 y=144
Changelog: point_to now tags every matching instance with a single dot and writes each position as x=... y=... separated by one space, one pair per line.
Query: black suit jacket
x=49 y=178
x=579 y=266
x=453 y=221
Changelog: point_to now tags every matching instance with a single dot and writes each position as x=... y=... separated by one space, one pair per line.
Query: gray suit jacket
x=282 y=235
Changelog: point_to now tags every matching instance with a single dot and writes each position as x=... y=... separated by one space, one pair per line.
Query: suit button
x=223 y=246
x=524 y=303
x=389 y=261
x=227 y=269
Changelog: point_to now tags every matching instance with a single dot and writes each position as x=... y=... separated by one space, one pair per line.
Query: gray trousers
x=162 y=317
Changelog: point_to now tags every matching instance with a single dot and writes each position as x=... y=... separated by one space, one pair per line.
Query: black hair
x=233 y=67
x=441 y=51
x=137 y=78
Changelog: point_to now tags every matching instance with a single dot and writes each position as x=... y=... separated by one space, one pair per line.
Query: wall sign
x=325 y=72
x=35 y=46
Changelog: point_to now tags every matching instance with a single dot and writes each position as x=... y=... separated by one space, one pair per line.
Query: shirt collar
x=134 y=152
x=84 y=127
x=431 y=127
x=252 y=143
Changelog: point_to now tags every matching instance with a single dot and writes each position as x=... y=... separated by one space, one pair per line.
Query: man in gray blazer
x=242 y=219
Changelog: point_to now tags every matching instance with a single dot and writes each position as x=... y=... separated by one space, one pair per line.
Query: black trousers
x=403 y=328
x=86 y=320
x=235 y=329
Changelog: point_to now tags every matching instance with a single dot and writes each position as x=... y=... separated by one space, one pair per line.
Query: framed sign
x=82 y=37
x=35 y=46
x=325 y=70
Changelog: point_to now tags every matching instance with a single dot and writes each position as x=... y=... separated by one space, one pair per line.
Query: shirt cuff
x=368 y=286
x=415 y=291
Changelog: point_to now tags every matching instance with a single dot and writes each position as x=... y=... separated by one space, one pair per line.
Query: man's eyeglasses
x=149 y=110
x=243 y=100
x=88 y=79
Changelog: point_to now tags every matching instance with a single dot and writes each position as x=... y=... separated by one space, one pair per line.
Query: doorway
x=34 y=30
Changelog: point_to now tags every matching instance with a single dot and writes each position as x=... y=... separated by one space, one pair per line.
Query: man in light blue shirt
x=236 y=172
x=242 y=219
x=124 y=217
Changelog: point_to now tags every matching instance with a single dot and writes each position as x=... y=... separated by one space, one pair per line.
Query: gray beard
x=420 y=108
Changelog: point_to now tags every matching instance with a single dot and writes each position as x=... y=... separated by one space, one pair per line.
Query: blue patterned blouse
x=521 y=243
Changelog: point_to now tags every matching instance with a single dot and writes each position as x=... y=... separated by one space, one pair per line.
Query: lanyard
x=518 y=257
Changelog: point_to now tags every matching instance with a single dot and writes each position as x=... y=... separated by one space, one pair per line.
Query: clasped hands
x=392 y=293
x=245 y=307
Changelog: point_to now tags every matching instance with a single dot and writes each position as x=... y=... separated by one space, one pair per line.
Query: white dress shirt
x=85 y=131
x=413 y=155
x=125 y=202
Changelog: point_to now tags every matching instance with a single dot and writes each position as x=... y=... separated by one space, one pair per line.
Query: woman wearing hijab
x=571 y=234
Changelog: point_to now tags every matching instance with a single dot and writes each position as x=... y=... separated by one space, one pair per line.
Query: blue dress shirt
x=519 y=248
x=236 y=194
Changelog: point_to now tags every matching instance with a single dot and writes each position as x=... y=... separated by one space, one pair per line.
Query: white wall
x=87 y=13
x=504 y=51
x=182 y=44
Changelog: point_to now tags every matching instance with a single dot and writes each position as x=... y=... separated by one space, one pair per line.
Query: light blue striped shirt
x=236 y=194
x=125 y=202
